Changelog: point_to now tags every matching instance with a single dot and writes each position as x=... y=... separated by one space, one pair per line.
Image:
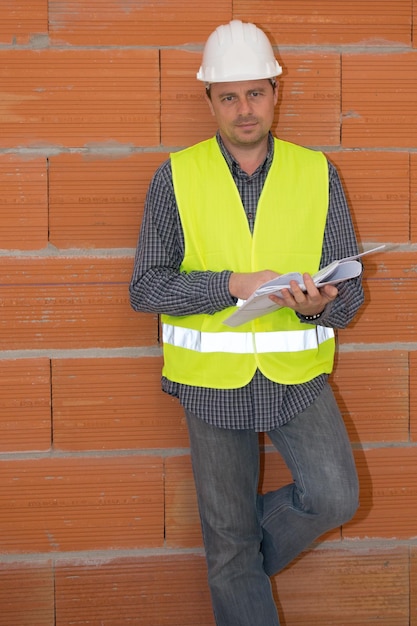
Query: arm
x=338 y=305
x=339 y=242
x=157 y=284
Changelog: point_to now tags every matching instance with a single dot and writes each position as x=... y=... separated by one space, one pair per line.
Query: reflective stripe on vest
x=246 y=343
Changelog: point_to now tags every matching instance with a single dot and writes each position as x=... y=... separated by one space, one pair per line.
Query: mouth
x=248 y=124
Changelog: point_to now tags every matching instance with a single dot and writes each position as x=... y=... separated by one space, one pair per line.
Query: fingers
x=242 y=285
x=309 y=301
x=330 y=292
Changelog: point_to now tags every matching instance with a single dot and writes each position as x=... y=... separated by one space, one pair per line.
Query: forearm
x=341 y=311
x=164 y=290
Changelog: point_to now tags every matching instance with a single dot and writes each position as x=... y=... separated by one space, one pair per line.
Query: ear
x=209 y=102
x=275 y=93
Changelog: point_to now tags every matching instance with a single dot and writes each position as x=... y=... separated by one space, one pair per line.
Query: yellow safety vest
x=288 y=236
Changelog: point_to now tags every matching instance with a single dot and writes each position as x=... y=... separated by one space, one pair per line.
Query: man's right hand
x=242 y=285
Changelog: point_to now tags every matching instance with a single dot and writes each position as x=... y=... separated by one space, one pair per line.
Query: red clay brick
x=413 y=194
x=322 y=22
x=96 y=202
x=81 y=503
x=20 y=22
x=377 y=188
x=414 y=22
x=308 y=110
x=25 y=405
x=27 y=594
x=181 y=511
x=413 y=586
x=109 y=404
x=388 y=277
x=177 y=22
x=185 y=116
x=173 y=590
x=70 y=303
x=379 y=100
x=24 y=203
x=413 y=396
x=158 y=591
x=274 y=472
x=309 y=106
x=388 y=502
x=345 y=588
x=372 y=392
x=79 y=97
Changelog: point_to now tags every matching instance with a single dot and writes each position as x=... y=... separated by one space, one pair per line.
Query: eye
x=228 y=98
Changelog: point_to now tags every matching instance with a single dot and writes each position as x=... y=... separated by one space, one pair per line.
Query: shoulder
x=297 y=151
x=200 y=150
x=334 y=178
x=161 y=180
x=163 y=172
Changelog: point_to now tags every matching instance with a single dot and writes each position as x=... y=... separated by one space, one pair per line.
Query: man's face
x=244 y=111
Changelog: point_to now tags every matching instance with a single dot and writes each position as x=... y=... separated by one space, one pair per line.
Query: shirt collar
x=234 y=165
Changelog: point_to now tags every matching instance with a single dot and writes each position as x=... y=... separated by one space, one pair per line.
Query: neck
x=249 y=157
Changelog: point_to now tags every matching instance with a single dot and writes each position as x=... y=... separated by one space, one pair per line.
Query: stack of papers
x=260 y=304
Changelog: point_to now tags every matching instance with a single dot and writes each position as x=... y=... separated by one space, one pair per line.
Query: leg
x=226 y=471
x=324 y=493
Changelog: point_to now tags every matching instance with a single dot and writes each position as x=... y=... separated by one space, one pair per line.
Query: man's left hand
x=309 y=302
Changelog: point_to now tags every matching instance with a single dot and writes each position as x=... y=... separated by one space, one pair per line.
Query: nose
x=245 y=106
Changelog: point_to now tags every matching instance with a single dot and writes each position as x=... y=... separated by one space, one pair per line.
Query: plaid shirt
x=157 y=286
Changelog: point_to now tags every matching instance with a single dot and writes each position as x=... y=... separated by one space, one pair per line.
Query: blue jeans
x=249 y=537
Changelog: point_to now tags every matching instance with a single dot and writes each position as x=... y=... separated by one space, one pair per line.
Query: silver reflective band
x=246 y=343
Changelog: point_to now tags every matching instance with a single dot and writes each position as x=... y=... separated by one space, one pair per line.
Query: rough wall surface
x=98 y=519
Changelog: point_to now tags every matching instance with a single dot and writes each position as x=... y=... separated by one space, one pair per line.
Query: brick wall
x=98 y=520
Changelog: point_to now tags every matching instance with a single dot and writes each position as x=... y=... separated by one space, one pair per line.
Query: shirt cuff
x=219 y=294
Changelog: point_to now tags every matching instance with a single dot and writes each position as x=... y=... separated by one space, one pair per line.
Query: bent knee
x=337 y=506
x=342 y=510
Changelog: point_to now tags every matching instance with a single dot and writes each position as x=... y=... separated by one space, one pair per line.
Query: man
x=221 y=218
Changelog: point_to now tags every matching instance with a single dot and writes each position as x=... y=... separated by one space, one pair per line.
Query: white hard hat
x=238 y=51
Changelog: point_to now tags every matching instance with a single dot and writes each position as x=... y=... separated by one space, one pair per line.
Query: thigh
x=226 y=472
x=317 y=450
